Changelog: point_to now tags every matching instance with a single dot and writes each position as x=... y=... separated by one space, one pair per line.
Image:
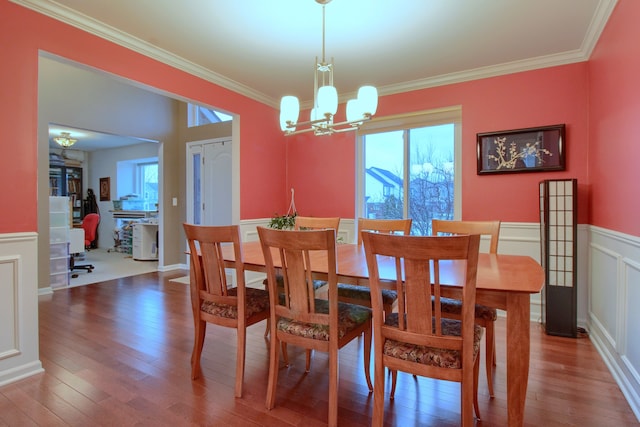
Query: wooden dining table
x=503 y=281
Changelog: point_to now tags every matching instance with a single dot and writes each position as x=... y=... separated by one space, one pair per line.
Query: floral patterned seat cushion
x=454 y=306
x=350 y=316
x=439 y=357
x=363 y=293
x=257 y=301
x=317 y=284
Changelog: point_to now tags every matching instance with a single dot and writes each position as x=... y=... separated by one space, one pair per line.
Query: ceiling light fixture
x=65 y=140
x=325 y=102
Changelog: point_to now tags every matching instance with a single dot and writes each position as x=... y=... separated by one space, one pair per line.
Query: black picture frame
x=535 y=149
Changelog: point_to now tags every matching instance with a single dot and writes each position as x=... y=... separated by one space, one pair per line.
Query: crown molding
x=69 y=16
x=85 y=23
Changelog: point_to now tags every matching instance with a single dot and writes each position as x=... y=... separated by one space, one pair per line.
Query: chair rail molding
x=19 y=356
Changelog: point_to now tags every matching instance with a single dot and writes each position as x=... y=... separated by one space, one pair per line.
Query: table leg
x=518 y=323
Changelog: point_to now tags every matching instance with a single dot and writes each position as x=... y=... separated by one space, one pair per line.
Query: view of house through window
x=409 y=173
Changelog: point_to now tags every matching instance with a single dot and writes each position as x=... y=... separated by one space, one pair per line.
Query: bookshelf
x=67 y=181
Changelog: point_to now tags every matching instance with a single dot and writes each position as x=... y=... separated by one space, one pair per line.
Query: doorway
x=209 y=176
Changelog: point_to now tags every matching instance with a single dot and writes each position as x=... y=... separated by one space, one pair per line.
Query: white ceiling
x=266 y=49
x=89 y=140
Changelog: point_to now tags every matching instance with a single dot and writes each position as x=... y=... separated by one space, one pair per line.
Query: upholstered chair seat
x=257 y=300
x=440 y=357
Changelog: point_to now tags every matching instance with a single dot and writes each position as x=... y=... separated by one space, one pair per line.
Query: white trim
x=100 y=29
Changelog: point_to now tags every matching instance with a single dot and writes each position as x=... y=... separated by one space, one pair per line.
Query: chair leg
x=274 y=361
x=307 y=360
x=378 y=393
x=333 y=389
x=394 y=378
x=267 y=329
x=490 y=354
x=476 y=371
x=240 y=355
x=367 y=358
x=198 y=343
x=285 y=355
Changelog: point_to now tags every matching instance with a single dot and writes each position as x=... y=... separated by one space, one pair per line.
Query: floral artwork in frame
x=522 y=150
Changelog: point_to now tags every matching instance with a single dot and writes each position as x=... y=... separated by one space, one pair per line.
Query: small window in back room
x=198 y=116
x=137 y=184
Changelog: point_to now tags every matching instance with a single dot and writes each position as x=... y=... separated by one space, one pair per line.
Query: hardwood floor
x=117 y=354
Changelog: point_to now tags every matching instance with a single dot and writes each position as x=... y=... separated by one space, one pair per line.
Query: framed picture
x=521 y=150
x=105 y=189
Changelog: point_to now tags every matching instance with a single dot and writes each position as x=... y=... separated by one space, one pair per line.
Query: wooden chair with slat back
x=485 y=316
x=298 y=317
x=309 y=223
x=212 y=301
x=417 y=338
x=354 y=294
x=317 y=223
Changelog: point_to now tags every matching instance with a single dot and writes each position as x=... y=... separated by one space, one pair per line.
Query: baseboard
x=20 y=372
x=173 y=267
x=45 y=291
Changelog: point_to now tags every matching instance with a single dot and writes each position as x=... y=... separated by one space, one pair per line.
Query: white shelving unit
x=59 y=225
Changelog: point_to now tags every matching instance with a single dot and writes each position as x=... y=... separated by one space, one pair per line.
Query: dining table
x=503 y=281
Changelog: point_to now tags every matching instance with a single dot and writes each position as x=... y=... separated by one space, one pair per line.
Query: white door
x=209 y=182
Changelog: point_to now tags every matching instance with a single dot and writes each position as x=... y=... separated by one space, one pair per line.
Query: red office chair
x=90 y=226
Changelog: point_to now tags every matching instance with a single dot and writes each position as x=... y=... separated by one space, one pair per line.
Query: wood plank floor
x=117 y=354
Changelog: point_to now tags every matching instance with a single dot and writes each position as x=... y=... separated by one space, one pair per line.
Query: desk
x=504 y=281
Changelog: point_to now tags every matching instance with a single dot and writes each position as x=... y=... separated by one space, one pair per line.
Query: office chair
x=90 y=226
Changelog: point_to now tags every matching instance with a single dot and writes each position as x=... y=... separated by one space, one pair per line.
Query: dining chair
x=309 y=223
x=485 y=316
x=298 y=317
x=213 y=301
x=354 y=294
x=417 y=338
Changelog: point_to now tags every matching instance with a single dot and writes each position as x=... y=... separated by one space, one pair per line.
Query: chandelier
x=65 y=140
x=325 y=102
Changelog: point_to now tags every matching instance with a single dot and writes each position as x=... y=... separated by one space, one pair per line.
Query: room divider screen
x=558 y=235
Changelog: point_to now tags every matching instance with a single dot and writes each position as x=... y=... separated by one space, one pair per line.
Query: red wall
x=536 y=98
x=24 y=33
x=614 y=87
x=598 y=101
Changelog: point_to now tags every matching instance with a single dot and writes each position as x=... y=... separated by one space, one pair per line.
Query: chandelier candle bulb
x=289 y=112
x=368 y=99
x=327 y=100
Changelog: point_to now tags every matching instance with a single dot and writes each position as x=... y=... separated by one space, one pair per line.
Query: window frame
x=408 y=121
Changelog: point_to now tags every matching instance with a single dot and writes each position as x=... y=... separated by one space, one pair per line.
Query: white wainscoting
x=613 y=301
x=19 y=356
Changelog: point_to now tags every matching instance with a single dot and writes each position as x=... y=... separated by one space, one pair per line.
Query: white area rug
x=109 y=266
x=183 y=279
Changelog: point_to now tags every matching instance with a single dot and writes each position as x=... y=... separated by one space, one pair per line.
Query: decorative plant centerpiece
x=288 y=220
x=283 y=222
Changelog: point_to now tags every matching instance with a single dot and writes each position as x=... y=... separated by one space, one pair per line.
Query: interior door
x=209 y=182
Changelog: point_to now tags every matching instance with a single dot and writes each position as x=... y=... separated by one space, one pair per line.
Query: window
x=408 y=167
x=147 y=183
x=199 y=116
x=137 y=183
